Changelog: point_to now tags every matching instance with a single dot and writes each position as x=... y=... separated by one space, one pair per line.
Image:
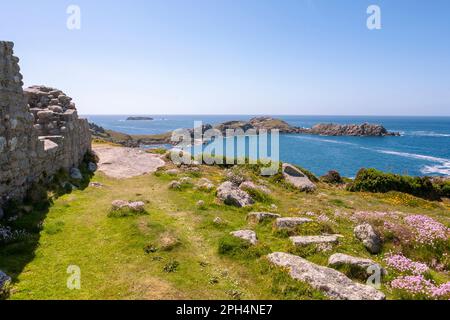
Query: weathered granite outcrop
x=365 y=129
x=332 y=283
x=40 y=132
x=326 y=129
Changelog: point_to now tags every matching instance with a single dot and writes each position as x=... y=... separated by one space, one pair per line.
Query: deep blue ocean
x=422 y=149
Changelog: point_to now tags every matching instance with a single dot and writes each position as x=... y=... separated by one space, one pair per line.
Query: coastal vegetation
x=179 y=246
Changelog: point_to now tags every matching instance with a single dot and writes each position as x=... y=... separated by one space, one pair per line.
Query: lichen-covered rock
x=248 y=185
x=247 y=235
x=175 y=185
x=297 y=178
x=366 y=234
x=307 y=240
x=361 y=264
x=205 y=184
x=290 y=222
x=258 y=217
x=137 y=206
x=232 y=195
x=332 y=283
x=173 y=172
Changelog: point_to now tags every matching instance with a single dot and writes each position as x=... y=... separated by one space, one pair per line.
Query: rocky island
x=139 y=118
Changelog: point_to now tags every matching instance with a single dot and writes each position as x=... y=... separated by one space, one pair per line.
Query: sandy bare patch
x=121 y=163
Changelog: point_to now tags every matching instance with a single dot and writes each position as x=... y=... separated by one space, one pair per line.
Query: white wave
x=428 y=134
x=442 y=169
x=324 y=140
x=413 y=156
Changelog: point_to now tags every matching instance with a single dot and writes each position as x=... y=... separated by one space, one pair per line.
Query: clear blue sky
x=237 y=56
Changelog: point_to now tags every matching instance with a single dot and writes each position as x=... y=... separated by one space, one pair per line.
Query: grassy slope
x=109 y=251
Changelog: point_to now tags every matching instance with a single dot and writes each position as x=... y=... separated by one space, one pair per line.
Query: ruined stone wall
x=40 y=131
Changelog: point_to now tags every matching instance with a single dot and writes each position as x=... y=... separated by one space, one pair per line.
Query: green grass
x=175 y=251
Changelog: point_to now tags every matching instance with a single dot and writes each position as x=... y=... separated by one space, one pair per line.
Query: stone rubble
x=232 y=195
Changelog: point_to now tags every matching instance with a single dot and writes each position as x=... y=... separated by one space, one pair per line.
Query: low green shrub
x=332 y=177
x=171 y=266
x=235 y=247
x=372 y=180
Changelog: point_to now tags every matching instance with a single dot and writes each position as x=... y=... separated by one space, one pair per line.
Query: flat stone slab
x=121 y=163
x=289 y=223
x=297 y=178
x=261 y=216
x=363 y=264
x=332 y=283
x=307 y=240
x=247 y=235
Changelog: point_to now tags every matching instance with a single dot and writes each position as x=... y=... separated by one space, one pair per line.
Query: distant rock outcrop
x=139 y=118
x=365 y=129
x=327 y=129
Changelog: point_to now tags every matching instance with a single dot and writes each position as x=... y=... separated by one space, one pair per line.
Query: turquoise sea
x=422 y=149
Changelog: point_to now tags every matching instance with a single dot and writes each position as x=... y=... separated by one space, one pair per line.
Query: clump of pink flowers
x=417 y=285
x=427 y=230
x=403 y=264
x=414 y=285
